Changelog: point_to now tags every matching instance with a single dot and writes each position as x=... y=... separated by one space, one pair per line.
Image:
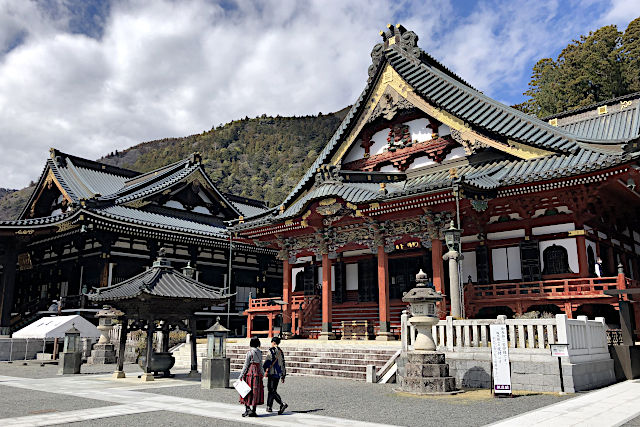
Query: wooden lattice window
x=556 y=260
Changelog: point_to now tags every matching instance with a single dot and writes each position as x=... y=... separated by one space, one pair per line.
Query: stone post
x=122 y=344
x=454 y=283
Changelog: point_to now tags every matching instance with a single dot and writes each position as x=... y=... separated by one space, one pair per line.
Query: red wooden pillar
x=436 y=265
x=438 y=272
x=583 y=263
x=568 y=310
x=327 y=330
x=384 y=333
x=286 y=297
x=249 y=322
x=270 y=324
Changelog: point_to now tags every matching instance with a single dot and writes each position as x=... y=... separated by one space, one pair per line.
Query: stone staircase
x=355 y=311
x=333 y=360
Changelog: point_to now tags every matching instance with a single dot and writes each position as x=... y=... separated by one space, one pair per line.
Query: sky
x=89 y=77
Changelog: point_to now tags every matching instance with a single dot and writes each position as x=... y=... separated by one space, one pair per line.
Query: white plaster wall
x=636 y=236
x=572 y=250
x=419 y=130
x=389 y=168
x=456 y=153
x=469 y=266
x=356 y=152
x=420 y=162
x=555 y=228
x=509 y=234
x=444 y=130
x=352 y=277
x=379 y=142
x=294 y=284
x=602 y=235
x=468 y=239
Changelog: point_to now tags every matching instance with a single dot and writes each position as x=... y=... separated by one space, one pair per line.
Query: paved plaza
x=35 y=395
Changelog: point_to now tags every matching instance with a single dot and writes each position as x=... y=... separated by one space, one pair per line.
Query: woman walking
x=252 y=374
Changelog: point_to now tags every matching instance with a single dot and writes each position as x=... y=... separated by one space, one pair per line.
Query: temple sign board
x=500 y=359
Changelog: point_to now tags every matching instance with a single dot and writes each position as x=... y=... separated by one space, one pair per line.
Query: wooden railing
x=581 y=287
x=302 y=309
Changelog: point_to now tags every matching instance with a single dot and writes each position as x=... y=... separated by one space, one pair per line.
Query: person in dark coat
x=252 y=374
x=275 y=371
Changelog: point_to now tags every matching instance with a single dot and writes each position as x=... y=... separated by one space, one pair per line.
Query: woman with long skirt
x=252 y=374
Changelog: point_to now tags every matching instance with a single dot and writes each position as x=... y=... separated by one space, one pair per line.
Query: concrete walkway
x=609 y=406
x=128 y=401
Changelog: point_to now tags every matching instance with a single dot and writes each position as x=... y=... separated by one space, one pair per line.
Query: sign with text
x=500 y=359
x=559 y=350
x=407 y=245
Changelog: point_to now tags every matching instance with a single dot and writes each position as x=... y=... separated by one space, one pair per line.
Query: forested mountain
x=262 y=158
x=602 y=65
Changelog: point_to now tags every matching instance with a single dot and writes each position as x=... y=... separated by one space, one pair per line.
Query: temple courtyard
x=35 y=395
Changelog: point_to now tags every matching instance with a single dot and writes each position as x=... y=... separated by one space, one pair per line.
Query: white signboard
x=500 y=359
x=559 y=350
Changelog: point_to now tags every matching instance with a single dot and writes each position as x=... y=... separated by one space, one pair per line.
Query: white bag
x=242 y=388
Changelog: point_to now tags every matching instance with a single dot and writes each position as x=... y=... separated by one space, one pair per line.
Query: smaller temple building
x=92 y=225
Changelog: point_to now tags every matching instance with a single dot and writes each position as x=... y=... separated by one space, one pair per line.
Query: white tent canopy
x=56 y=326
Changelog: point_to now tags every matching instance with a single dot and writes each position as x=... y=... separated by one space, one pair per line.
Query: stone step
x=318 y=372
x=324 y=361
x=347 y=354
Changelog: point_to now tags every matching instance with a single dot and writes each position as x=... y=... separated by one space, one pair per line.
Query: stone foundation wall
x=531 y=372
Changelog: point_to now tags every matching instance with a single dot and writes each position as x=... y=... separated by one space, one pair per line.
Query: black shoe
x=269 y=409
x=252 y=414
x=282 y=408
x=246 y=413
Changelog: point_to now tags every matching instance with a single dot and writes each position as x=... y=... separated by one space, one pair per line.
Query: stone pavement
x=130 y=401
x=610 y=406
x=34 y=395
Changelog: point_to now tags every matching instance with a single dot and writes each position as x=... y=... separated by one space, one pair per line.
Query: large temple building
x=548 y=208
x=548 y=212
x=90 y=225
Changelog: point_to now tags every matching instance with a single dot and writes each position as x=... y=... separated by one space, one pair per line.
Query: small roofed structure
x=159 y=294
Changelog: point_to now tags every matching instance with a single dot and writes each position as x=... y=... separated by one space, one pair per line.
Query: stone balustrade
x=467 y=346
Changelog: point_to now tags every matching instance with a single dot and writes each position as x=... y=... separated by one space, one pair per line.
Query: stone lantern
x=423 y=370
x=452 y=240
x=423 y=299
x=71 y=357
x=216 y=367
x=189 y=271
x=104 y=351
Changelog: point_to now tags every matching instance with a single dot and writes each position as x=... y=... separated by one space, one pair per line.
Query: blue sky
x=90 y=77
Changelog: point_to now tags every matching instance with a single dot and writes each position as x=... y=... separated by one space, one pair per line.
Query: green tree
x=597 y=67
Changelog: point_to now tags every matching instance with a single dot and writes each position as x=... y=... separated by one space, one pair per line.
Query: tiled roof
x=150 y=219
x=162 y=281
x=449 y=93
x=621 y=124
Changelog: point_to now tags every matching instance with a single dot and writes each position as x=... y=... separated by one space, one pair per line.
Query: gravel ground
x=17 y=402
x=379 y=403
x=35 y=370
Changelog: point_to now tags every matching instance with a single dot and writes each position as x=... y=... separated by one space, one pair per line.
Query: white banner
x=500 y=359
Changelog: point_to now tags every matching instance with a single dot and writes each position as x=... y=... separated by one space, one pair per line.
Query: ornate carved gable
x=50 y=199
x=192 y=194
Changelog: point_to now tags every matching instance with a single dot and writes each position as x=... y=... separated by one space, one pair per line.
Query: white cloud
x=167 y=68
x=621 y=13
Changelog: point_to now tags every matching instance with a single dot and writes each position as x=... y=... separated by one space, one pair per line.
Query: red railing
x=580 y=287
x=302 y=309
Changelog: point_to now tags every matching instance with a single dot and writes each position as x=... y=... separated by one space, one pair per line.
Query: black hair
x=255 y=342
x=276 y=340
